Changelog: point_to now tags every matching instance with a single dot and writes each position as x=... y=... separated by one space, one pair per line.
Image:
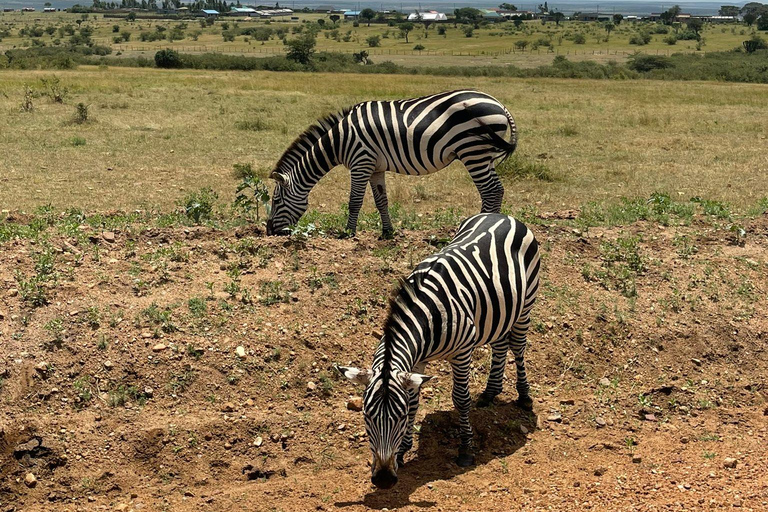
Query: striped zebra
x=478 y=289
x=417 y=136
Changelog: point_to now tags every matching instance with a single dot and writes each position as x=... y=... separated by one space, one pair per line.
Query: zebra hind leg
x=488 y=184
x=496 y=377
x=462 y=402
x=379 y=189
x=518 y=344
x=359 y=183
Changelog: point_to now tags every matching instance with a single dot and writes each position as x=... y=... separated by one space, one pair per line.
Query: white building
x=427 y=16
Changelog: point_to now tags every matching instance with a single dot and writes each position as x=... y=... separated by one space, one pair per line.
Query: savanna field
x=159 y=352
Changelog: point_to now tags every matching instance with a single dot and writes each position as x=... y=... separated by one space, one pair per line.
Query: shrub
x=579 y=39
x=167 y=59
x=198 y=206
x=373 y=41
x=521 y=44
x=81 y=113
x=640 y=39
x=645 y=63
x=419 y=47
x=671 y=40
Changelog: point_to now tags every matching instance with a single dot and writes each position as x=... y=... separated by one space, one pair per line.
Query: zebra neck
x=397 y=356
x=316 y=163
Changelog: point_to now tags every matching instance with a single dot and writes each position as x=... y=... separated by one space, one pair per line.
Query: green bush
x=198 y=206
x=167 y=59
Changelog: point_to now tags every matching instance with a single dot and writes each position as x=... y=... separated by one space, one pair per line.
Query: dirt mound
x=146 y=368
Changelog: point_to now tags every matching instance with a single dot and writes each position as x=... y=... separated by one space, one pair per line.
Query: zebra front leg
x=462 y=402
x=379 y=189
x=518 y=343
x=359 y=182
x=407 y=443
x=496 y=377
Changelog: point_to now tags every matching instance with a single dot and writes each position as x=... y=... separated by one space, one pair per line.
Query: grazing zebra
x=478 y=289
x=417 y=136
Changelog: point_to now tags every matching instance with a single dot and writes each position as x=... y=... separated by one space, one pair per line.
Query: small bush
x=167 y=59
x=198 y=206
x=418 y=48
x=579 y=39
x=81 y=114
x=77 y=141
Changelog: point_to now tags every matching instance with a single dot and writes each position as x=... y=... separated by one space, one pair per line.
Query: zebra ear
x=356 y=375
x=413 y=381
x=280 y=178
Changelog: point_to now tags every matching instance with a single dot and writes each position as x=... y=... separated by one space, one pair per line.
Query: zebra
x=478 y=289
x=417 y=136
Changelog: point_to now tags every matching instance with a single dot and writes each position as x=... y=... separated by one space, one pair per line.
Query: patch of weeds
x=77 y=141
x=659 y=207
x=194 y=352
x=622 y=262
x=102 y=344
x=326 y=384
x=120 y=396
x=716 y=209
x=315 y=281
x=83 y=391
x=81 y=114
x=253 y=195
x=56 y=328
x=157 y=317
x=53 y=89
x=198 y=206
x=517 y=166
x=197 y=307
x=273 y=292
x=708 y=455
x=179 y=382
x=253 y=125
x=685 y=246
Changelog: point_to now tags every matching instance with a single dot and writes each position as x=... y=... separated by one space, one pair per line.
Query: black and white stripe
x=478 y=289
x=417 y=136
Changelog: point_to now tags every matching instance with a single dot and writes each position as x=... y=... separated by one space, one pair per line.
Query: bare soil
x=652 y=402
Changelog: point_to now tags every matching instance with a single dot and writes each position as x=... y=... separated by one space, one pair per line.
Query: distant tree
x=669 y=16
x=618 y=18
x=361 y=57
x=115 y=28
x=518 y=22
x=418 y=47
x=728 y=10
x=695 y=24
x=609 y=27
x=521 y=44
x=558 y=16
x=754 y=44
x=321 y=22
x=301 y=48
x=507 y=7
x=468 y=15
x=367 y=14
x=334 y=18
x=750 y=18
x=762 y=22
x=579 y=39
x=131 y=16
x=405 y=29
x=468 y=30
x=47 y=4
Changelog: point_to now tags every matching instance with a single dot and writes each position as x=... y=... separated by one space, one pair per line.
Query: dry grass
x=154 y=135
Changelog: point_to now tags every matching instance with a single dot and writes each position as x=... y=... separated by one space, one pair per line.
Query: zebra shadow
x=497 y=435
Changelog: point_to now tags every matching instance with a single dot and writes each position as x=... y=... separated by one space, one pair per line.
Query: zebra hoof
x=387 y=235
x=525 y=403
x=485 y=400
x=400 y=460
x=464 y=460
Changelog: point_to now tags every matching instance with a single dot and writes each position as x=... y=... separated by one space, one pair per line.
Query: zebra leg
x=407 y=443
x=486 y=180
x=496 y=378
x=518 y=344
x=360 y=178
x=462 y=401
x=379 y=189
x=413 y=407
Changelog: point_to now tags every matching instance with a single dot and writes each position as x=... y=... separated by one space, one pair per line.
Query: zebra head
x=287 y=205
x=386 y=401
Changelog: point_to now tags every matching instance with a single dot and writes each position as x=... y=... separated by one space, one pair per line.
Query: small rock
x=684 y=440
x=108 y=364
x=341 y=426
x=523 y=429
x=555 y=416
x=605 y=382
x=355 y=404
x=650 y=417
x=228 y=407
x=30 y=480
x=240 y=351
x=12 y=292
x=122 y=507
x=146 y=334
x=600 y=471
x=108 y=236
x=697 y=362
x=568 y=401
x=227 y=445
x=41 y=367
x=258 y=441
x=729 y=462
x=636 y=459
x=149 y=392
x=600 y=422
x=311 y=386
x=159 y=347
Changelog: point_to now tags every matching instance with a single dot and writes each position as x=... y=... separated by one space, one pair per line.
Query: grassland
x=153 y=135
x=491 y=44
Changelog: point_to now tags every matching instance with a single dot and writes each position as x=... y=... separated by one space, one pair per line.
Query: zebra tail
x=504 y=147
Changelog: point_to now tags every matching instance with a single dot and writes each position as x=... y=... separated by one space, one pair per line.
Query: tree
x=669 y=16
x=521 y=44
x=507 y=7
x=334 y=18
x=750 y=18
x=368 y=14
x=728 y=10
x=131 y=16
x=518 y=22
x=468 y=15
x=301 y=48
x=617 y=19
x=762 y=22
x=558 y=16
x=373 y=41
x=609 y=27
x=47 y=4
x=321 y=22
x=695 y=24
x=405 y=29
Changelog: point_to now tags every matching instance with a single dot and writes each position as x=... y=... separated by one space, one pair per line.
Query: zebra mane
x=307 y=139
x=395 y=307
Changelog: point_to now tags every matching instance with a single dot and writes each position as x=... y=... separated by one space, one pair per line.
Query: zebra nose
x=384 y=479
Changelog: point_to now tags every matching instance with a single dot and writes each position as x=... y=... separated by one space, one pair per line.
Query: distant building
x=49 y=9
x=327 y=9
x=427 y=16
x=523 y=15
x=680 y=18
x=351 y=15
x=27 y=9
x=594 y=16
x=209 y=13
x=271 y=13
x=242 y=11
x=490 y=15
